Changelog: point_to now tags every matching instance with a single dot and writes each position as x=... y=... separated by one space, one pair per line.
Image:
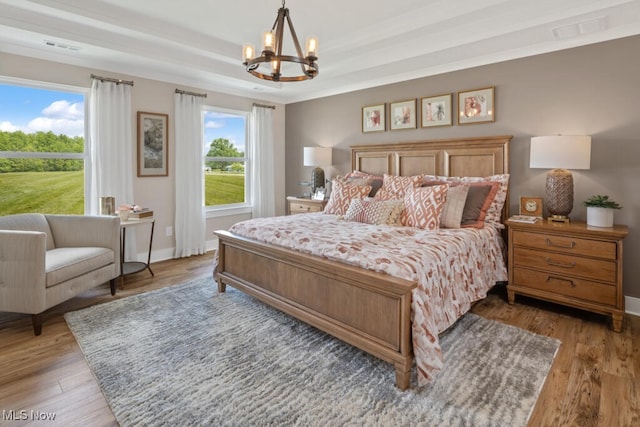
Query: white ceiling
x=362 y=43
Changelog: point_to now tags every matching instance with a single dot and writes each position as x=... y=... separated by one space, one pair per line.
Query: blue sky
x=223 y=125
x=31 y=110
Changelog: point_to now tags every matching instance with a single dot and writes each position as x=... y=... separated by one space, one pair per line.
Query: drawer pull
x=562 y=279
x=560 y=264
x=569 y=246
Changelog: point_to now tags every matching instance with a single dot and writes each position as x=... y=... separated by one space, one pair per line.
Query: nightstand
x=298 y=205
x=572 y=264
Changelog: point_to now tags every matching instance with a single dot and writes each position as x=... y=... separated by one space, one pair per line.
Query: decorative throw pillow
x=395 y=187
x=451 y=216
x=396 y=215
x=494 y=212
x=341 y=196
x=370 y=211
x=423 y=206
x=479 y=200
x=375 y=181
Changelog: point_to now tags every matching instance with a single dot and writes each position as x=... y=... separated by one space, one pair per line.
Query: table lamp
x=559 y=153
x=317 y=156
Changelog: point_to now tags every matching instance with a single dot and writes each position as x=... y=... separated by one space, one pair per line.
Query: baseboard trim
x=632 y=305
x=169 y=253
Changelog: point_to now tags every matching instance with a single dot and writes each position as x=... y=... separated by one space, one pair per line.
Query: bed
x=362 y=304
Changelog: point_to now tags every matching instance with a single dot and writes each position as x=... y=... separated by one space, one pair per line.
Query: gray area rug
x=186 y=355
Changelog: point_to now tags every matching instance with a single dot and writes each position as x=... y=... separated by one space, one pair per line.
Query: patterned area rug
x=186 y=355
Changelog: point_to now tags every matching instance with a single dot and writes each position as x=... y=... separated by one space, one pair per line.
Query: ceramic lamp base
x=559 y=193
x=317 y=179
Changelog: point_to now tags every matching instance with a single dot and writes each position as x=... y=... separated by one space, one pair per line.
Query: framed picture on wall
x=436 y=111
x=373 y=118
x=402 y=115
x=153 y=153
x=476 y=106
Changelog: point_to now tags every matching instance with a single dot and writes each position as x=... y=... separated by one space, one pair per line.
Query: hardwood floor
x=594 y=381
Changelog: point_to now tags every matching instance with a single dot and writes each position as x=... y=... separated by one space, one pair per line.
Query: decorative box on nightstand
x=298 y=205
x=568 y=263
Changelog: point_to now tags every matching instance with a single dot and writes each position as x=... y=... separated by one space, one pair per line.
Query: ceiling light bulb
x=268 y=41
x=312 y=46
x=248 y=52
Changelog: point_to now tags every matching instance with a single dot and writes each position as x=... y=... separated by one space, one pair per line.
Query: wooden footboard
x=369 y=310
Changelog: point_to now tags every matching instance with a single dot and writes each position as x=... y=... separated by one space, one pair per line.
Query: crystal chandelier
x=272 y=56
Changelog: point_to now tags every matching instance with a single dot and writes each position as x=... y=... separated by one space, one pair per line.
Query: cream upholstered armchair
x=48 y=259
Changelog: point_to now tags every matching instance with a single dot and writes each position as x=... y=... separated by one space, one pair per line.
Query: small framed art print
x=373 y=118
x=476 y=106
x=436 y=111
x=153 y=150
x=402 y=115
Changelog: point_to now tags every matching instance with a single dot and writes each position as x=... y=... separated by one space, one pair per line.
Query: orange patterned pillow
x=374 y=181
x=423 y=206
x=341 y=196
x=395 y=187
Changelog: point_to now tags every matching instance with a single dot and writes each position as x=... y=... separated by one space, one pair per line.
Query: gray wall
x=591 y=90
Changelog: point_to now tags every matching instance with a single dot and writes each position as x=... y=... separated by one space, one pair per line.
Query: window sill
x=227 y=211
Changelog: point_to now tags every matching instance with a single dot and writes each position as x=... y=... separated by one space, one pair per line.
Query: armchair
x=48 y=259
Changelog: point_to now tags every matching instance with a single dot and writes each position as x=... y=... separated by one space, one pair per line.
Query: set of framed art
x=474 y=106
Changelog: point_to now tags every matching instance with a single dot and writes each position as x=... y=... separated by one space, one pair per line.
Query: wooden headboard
x=478 y=156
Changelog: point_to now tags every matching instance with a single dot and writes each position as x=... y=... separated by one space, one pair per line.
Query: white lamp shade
x=317 y=156
x=560 y=151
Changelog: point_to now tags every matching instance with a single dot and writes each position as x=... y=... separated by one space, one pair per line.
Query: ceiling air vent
x=61 y=46
x=580 y=28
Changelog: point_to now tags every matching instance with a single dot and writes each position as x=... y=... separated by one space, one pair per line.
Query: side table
x=130 y=267
x=298 y=205
x=568 y=263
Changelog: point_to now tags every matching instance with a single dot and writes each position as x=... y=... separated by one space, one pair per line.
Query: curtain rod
x=186 y=92
x=273 y=107
x=112 y=80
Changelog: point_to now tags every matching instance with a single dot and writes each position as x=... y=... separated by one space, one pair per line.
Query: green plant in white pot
x=600 y=210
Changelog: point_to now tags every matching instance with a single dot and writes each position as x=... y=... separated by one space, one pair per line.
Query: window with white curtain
x=226 y=158
x=42 y=147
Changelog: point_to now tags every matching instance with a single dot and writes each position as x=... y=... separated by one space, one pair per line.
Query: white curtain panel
x=190 y=227
x=109 y=171
x=262 y=169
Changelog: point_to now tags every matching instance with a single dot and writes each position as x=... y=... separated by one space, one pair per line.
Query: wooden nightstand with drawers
x=572 y=264
x=298 y=205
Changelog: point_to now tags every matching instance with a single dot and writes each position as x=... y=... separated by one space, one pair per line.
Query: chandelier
x=272 y=56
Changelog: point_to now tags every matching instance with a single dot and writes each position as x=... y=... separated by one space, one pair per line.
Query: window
x=225 y=158
x=42 y=146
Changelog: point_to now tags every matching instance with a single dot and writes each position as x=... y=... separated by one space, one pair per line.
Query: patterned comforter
x=452 y=267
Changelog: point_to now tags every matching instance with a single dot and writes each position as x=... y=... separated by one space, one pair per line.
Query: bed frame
x=367 y=309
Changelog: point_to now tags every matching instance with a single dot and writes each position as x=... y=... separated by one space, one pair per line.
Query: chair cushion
x=28 y=222
x=63 y=264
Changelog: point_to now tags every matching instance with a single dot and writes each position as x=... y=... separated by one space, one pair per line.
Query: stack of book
x=140 y=214
x=523 y=218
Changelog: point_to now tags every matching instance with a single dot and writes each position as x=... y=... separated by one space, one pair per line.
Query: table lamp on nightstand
x=559 y=153
x=317 y=156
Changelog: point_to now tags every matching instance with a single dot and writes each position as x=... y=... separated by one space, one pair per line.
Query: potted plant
x=600 y=210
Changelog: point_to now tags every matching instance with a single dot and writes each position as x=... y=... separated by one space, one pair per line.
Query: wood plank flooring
x=594 y=381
